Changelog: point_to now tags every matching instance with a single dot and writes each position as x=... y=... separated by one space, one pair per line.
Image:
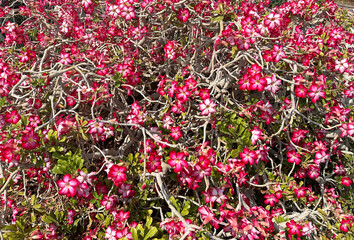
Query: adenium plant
x=176 y=119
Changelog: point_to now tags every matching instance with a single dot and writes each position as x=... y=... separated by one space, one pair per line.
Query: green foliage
x=236 y=132
x=69 y=163
x=3 y=102
x=182 y=208
x=118 y=79
x=144 y=233
x=18 y=231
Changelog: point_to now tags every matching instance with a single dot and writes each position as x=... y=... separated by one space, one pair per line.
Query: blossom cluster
x=176 y=120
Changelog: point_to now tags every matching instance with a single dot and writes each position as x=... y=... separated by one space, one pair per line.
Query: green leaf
x=33 y=199
x=173 y=201
x=33 y=218
x=107 y=221
x=68 y=163
x=148 y=221
x=3 y=102
x=20 y=224
x=186 y=207
x=152 y=232
x=217 y=19
x=135 y=234
x=49 y=219
x=100 y=216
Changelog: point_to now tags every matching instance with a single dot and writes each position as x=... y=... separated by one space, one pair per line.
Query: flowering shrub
x=176 y=120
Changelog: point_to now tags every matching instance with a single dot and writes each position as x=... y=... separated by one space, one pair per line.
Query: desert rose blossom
x=13 y=117
x=270 y=199
x=177 y=161
x=207 y=216
x=175 y=133
x=272 y=20
x=207 y=107
x=117 y=174
x=68 y=186
x=30 y=140
x=342 y=65
x=294 y=229
x=70 y=216
x=183 y=14
x=308 y=229
x=346 y=181
x=315 y=92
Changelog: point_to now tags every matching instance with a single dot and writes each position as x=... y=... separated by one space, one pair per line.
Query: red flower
x=300 y=192
x=248 y=156
x=117 y=174
x=300 y=91
x=271 y=199
x=294 y=228
x=258 y=83
x=12 y=117
x=346 y=181
x=30 y=141
x=178 y=161
x=293 y=156
x=68 y=186
x=345 y=225
x=316 y=92
x=183 y=14
x=175 y=133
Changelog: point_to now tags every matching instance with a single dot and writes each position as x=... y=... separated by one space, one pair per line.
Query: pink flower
x=204 y=93
x=117 y=174
x=294 y=228
x=128 y=12
x=183 y=14
x=256 y=134
x=300 y=192
x=70 y=216
x=316 y=92
x=301 y=91
x=207 y=216
x=321 y=157
x=340 y=170
x=342 y=65
x=183 y=94
x=207 y=107
x=248 y=156
x=313 y=172
x=175 y=133
x=215 y=195
x=68 y=186
x=30 y=141
x=272 y=20
x=86 y=3
x=126 y=190
x=272 y=84
x=65 y=59
x=108 y=202
x=346 y=181
x=308 y=229
x=13 y=117
x=345 y=225
x=245 y=83
x=258 y=83
x=293 y=156
x=124 y=234
x=178 y=161
x=278 y=53
x=271 y=199
x=110 y=233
